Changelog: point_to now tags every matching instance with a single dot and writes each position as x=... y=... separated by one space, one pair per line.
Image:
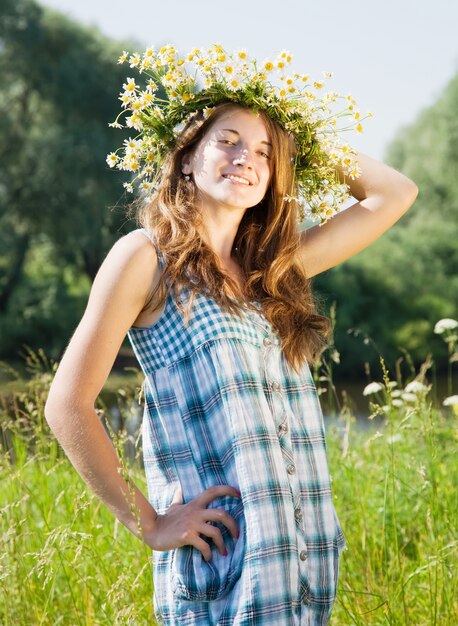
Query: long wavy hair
x=265 y=246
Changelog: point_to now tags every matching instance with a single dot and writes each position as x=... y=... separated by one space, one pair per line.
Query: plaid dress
x=223 y=406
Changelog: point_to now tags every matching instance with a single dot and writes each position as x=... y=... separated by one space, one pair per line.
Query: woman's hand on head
x=384 y=196
x=183 y=524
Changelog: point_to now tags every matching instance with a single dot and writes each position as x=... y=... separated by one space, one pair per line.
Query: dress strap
x=151 y=236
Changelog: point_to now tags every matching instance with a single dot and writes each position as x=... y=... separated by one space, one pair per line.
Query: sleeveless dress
x=223 y=406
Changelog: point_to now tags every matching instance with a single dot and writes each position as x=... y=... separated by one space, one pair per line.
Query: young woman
x=214 y=292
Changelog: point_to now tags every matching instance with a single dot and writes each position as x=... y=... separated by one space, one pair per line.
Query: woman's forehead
x=242 y=121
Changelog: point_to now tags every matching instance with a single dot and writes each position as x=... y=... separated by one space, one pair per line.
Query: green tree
x=59 y=91
x=396 y=290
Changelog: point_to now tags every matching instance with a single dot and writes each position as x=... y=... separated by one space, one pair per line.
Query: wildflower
x=134 y=60
x=359 y=128
x=146 y=64
x=450 y=401
x=134 y=121
x=130 y=86
x=234 y=84
x=445 y=324
x=416 y=387
x=372 y=388
x=151 y=85
x=128 y=187
x=112 y=159
x=409 y=397
x=268 y=66
x=286 y=56
x=123 y=57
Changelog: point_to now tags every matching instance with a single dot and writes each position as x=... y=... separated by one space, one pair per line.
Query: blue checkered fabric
x=223 y=406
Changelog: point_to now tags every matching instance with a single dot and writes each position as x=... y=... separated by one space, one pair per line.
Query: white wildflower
x=112 y=159
x=450 y=401
x=130 y=87
x=372 y=388
x=444 y=325
x=416 y=387
x=409 y=397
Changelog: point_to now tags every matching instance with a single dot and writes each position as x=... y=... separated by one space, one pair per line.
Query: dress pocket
x=195 y=579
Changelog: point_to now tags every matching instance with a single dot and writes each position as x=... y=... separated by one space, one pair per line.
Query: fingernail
x=225 y=552
x=238 y=491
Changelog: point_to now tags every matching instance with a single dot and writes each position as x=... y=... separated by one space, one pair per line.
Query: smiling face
x=231 y=165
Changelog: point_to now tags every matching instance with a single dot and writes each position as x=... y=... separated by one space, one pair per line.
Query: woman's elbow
x=412 y=192
x=54 y=410
x=403 y=195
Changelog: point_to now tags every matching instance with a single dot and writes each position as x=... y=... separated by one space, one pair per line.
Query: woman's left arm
x=383 y=195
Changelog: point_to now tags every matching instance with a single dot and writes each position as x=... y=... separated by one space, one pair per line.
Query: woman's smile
x=233 y=155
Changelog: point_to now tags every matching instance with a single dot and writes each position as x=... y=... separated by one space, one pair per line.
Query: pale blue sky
x=394 y=56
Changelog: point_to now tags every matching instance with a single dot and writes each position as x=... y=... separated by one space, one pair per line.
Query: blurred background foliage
x=61 y=208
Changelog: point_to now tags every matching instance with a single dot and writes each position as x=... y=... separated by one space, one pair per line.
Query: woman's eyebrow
x=236 y=132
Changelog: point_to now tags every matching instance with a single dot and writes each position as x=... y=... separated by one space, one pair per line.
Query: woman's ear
x=186 y=164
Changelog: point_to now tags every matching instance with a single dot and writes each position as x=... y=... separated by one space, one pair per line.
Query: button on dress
x=223 y=406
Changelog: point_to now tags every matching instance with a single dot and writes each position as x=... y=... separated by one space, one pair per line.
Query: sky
x=394 y=56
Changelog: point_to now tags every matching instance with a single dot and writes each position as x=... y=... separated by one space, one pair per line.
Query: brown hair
x=265 y=246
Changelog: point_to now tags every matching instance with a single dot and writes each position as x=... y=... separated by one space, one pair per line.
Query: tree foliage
x=59 y=89
x=397 y=289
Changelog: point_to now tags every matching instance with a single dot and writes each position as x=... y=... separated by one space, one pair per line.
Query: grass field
x=65 y=560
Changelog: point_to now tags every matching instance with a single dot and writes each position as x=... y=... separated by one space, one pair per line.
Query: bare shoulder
x=135 y=248
x=124 y=283
x=132 y=262
x=119 y=292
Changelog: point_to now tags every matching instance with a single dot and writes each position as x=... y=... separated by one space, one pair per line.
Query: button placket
x=272 y=371
x=273 y=376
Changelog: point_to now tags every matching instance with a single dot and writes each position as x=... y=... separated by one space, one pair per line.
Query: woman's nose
x=242 y=158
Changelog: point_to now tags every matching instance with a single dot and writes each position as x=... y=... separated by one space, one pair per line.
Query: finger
x=203 y=547
x=220 y=515
x=217 y=491
x=214 y=533
x=178 y=496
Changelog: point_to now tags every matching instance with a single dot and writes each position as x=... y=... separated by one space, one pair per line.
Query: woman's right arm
x=119 y=293
x=121 y=288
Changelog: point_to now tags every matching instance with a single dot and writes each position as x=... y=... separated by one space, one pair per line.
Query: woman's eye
x=227 y=142
x=265 y=155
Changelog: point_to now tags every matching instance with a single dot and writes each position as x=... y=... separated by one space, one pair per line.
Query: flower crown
x=202 y=79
